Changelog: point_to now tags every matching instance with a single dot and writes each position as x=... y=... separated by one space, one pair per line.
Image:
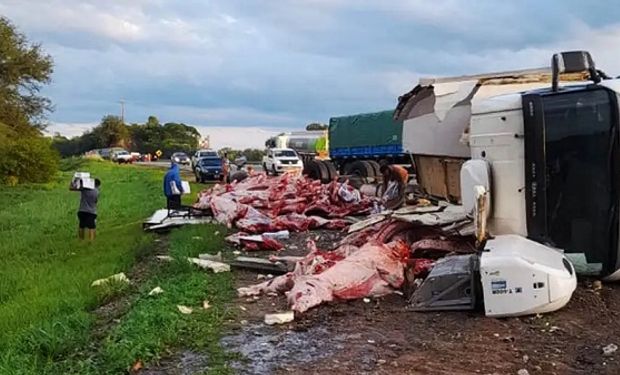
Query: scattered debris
x=165 y=258
x=279 y=318
x=118 y=278
x=216 y=258
x=597 y=285
x=185 y=310
x=259 y=264
x=610 y=349
x=216 y=267
x=197 y=238
x=242 y=308
x=523 y=372
x=366 y=300
x=205 y=304
x=157 y=290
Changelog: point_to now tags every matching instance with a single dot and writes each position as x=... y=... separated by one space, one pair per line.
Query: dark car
x=180 y=158
x=208 y=169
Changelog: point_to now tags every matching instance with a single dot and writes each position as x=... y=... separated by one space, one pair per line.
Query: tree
x=111 y=132
x=316 y=126
x=25 y=155
x=24 y=69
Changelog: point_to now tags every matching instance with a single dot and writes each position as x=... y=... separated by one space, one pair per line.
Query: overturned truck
x=543 y=143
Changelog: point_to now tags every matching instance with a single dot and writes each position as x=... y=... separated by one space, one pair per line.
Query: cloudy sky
x=244 y=69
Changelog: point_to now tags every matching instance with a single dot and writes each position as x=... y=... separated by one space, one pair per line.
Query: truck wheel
x=273 y=170
x=265 y=169
x=362 y=169
x=331 y=169
x=347 y=168
x=312 y=170
x=323 y=171
x=375 y=167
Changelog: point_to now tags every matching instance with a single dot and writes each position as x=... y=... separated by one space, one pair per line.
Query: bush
x=27 y=159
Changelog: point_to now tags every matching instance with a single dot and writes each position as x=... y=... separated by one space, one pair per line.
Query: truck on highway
x=353 y=145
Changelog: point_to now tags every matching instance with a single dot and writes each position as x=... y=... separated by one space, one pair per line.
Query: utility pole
x=122 y=110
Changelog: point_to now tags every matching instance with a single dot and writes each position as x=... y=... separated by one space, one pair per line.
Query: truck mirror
x=572 y=62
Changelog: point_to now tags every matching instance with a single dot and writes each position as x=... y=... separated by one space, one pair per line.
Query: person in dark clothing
x=395 y=179
x=87 y=213
x=173 y=188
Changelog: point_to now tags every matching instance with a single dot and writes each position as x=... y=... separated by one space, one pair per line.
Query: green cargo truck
x=359 y=143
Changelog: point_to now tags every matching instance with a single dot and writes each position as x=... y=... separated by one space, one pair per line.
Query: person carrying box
x=173 y=187
x=87 y=212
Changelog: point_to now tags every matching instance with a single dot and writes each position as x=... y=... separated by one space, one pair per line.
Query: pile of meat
x=268 y=204
x=369 y=263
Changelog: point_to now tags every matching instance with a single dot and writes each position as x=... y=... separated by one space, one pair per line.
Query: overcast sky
x=234 y=67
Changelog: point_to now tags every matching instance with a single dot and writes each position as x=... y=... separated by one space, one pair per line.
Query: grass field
x=46 y=302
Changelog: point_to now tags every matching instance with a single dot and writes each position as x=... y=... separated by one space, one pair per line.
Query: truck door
x=571 y=148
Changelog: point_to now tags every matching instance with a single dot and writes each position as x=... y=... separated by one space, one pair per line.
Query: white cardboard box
x=186 y=187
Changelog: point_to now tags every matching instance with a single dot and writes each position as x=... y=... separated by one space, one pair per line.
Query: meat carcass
x=260 y=203
x=349 y=272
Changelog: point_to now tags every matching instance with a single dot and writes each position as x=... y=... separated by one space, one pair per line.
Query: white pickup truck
x=280 y=160
x=122 y=156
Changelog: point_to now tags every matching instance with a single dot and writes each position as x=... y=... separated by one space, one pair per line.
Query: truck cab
x=278 y=160
x=554 y=161
x=549 y=141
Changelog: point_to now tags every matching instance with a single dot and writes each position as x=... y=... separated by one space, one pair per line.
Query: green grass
x=46 y=300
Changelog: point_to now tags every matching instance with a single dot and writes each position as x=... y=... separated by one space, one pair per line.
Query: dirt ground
x=383 y=336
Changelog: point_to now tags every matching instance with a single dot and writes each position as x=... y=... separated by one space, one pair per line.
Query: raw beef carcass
x=349 y=272
x=261 y=203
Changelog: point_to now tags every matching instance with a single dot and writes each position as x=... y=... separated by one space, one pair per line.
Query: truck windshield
x=203 y=154
x=285 y=153
x=579 y=133
x=210 y=162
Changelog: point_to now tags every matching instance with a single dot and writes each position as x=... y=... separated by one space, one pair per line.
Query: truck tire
x=331 y=168
x=347 y=168
x=362 y=168
x=312 y=170
x=324 y=171
x=375 y=167
x=265 y=169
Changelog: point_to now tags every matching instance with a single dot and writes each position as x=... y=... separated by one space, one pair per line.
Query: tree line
x=25 y=154
x=146 y=138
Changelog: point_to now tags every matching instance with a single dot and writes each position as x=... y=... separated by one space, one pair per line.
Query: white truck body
x=482 y=117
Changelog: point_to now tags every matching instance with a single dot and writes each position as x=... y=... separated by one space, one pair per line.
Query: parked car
x=121 y=156
x=180 y=158
x=206 y=153
x=280 y=160
x=208 y=169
